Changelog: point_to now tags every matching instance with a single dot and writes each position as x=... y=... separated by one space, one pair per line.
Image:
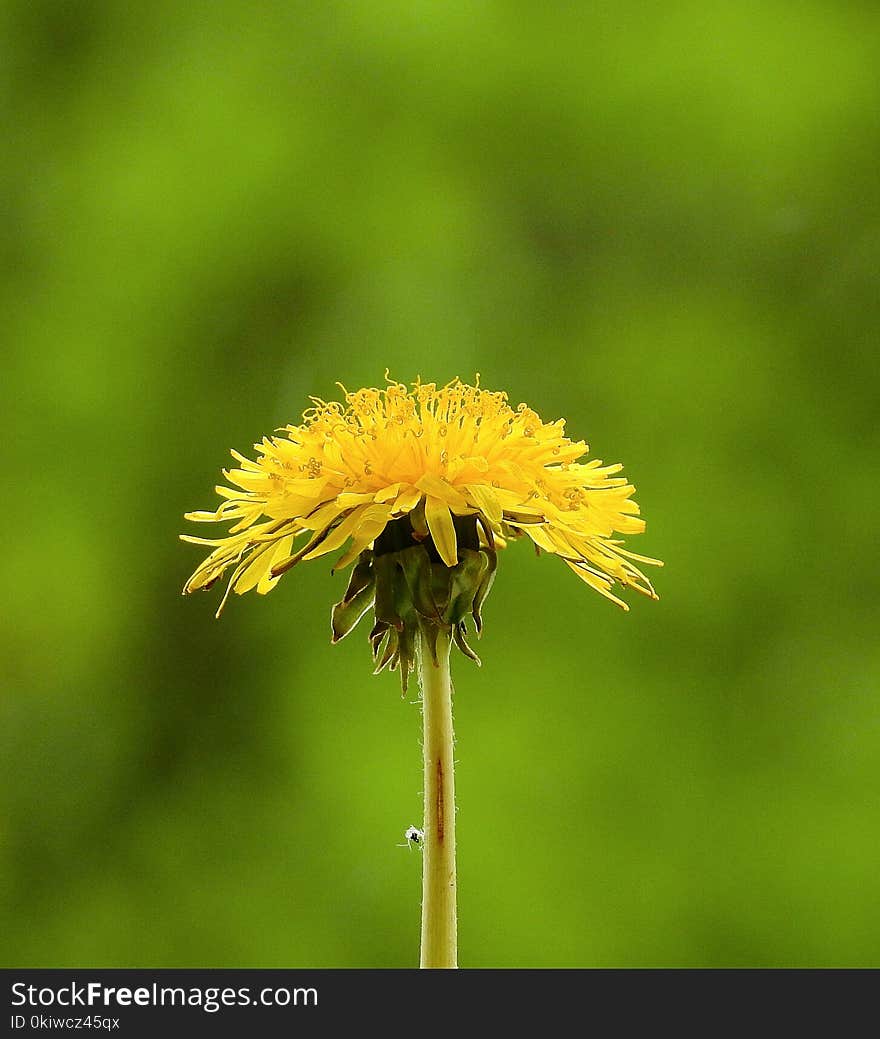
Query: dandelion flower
x=456 y=467
x=420 y=488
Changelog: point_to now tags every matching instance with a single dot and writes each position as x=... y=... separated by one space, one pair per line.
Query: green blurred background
x=661 y=221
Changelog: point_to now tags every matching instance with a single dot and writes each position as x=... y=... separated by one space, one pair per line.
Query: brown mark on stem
x=439 y=800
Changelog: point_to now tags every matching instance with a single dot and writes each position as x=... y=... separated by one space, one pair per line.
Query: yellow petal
x=339 y=535
x=484 y=499
x=540 y=537
x=248 y=520
x=387 y=493
x=442 y=529
x=258 y=565
x=203 y=517
x=321 y=517
x=518 y=503
x=246 y=463
x=594 y=582
x=255 y=482
x=437 y=487
x=282 y=552
x=639 y=559
x=408 y=498
x=229 y=492
x=372 y=525
x=348 y=500
x=629 y=525
x=192 y=540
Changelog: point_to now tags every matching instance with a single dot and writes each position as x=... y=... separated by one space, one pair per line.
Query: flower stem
x=439 y=912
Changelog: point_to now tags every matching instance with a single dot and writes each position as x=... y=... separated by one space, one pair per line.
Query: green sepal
x=345 y=615
x=429 y=633
x=463 y=582
x=388 y=653
x=415 y=596
x=387 y=570
x=362 y=576
x=407 y=653
x=487 y=579
x=458 y=635
x=416 y=565
x=377 y=634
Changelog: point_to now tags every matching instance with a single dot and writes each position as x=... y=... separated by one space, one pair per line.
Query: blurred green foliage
x=659 y=221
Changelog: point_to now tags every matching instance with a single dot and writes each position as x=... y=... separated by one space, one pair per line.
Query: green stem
x=439 y=912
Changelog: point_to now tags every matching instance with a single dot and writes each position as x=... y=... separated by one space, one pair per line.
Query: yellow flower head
x=435 y=455
x=422 y=487
x=455 y=461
